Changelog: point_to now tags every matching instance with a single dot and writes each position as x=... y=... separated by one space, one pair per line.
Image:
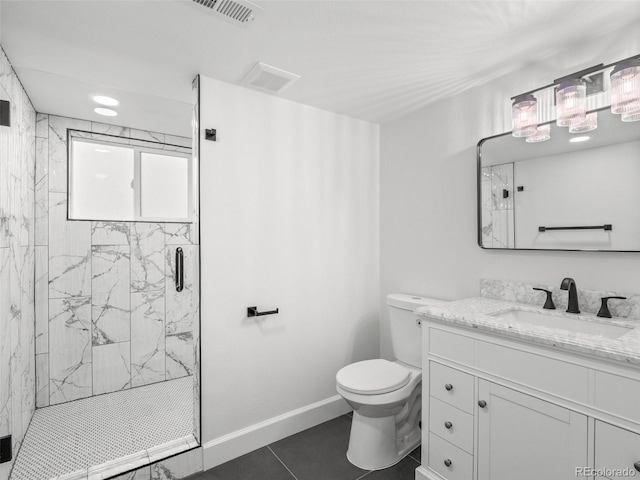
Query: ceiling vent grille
x=238 y=12
x=269 y=79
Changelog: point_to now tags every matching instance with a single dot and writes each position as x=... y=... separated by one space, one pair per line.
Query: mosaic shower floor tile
x=72 y=437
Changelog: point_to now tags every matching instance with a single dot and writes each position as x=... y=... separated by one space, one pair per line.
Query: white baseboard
x=233 y=445
x=421 y=474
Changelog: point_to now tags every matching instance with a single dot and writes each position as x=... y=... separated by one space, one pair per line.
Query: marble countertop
x=478 y=313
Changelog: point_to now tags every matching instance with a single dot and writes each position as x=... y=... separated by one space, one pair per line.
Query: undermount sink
x=561 y=322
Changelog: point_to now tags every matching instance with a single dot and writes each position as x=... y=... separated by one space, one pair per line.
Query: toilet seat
x=373 y=377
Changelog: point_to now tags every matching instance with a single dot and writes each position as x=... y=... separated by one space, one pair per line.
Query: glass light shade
x=571 y=100
x=543 y=133
x=590 y=123
x=631 y=116
x=625 y=87
x=525 y=116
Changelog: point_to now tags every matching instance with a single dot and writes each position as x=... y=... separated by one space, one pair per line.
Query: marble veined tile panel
x=111 y=367
x=107 y=129
x=58 y=127
x=70 y=360
x=180 y=361
x=5 y=210
x=5 y=345
x=27 y=188
x=42 y=192
x=42 y=298
x=42 y=380
x=177 y=140
x=110 y=303
x=110 y=233
x=143 y=473
x=147 y=338
x=146 y=135
x=69 y=251
x=147 y=257
x=178 y=233
x=42 y=125
x=178 y=467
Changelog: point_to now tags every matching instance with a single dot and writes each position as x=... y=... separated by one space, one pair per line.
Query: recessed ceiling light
x=579 y=139
x=107 y=112
x=108 y=101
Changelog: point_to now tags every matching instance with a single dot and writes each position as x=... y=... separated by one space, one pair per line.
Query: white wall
x=289 y=219
x=428 y=194
x=590 y=187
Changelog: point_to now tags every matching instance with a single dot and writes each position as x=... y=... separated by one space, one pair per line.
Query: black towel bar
x=253 y=312
x=607 y=226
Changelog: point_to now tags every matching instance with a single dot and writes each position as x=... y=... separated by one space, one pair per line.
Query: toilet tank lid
x=411 y=302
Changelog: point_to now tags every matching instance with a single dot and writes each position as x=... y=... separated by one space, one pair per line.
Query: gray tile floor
x=318 y=453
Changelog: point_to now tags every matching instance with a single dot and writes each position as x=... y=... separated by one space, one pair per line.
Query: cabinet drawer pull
x=447 y=463
x=637 y=465
x=448 y=425
x=482 y=403
x=448 y=387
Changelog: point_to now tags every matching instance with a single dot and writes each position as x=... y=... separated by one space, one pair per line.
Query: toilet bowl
x=386 y=396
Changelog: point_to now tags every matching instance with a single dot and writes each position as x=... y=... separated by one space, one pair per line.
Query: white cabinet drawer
x=452 y=424
x=616 y=448
x=618 y=396
x=448 y=460
x=451 y=386
x=546 y=374
x=455 y=347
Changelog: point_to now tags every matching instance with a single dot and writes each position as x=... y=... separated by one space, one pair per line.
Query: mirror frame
x=479 y=203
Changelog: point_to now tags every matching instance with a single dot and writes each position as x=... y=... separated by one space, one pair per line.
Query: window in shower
x=111 y=181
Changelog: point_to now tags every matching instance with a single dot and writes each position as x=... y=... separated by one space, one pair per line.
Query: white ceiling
x=374 y=60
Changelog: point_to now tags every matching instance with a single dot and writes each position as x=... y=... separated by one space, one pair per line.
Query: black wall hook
x=253 y=312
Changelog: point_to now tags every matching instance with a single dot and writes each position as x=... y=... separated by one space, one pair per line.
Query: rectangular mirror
x=571 y=192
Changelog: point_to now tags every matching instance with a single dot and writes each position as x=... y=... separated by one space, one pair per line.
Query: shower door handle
x=179 y=269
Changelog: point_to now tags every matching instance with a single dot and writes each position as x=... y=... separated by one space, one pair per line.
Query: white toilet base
x=374 y=442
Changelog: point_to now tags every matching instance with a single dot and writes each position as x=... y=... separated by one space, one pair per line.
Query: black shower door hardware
x=607 y=226
x=253 y=312
x=179 y=269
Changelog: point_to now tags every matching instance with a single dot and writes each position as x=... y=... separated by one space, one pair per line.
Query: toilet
x=386 y=396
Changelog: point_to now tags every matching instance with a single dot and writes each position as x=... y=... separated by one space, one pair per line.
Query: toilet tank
x=406 y=337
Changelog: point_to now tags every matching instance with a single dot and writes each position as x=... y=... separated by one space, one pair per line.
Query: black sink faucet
x=570 y=284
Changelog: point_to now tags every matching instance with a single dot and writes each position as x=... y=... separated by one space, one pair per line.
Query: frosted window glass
x=164 y=186
x=101 y=182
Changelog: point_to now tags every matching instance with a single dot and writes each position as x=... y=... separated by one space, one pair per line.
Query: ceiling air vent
x=269 y=79
x=238 y=12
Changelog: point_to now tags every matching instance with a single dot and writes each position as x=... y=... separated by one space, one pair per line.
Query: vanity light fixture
x=525 y=116
x=107 y=101
x=568 y=97
x=579 y=139
x=107 y=112
x=631 y=116
x=625 y=87
x=543 y=133
x=590 y=123
x=571 y=99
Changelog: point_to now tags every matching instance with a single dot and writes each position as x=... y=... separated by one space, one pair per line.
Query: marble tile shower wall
x=498 y=214
x=108 y=316
x=17 y=171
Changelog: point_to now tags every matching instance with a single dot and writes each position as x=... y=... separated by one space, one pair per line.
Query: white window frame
x=137 y=190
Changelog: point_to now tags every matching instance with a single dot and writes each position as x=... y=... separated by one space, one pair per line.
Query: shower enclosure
x=113 y=287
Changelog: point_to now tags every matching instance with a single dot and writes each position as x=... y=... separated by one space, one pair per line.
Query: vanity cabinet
x=523 y=434
x=500 y=409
